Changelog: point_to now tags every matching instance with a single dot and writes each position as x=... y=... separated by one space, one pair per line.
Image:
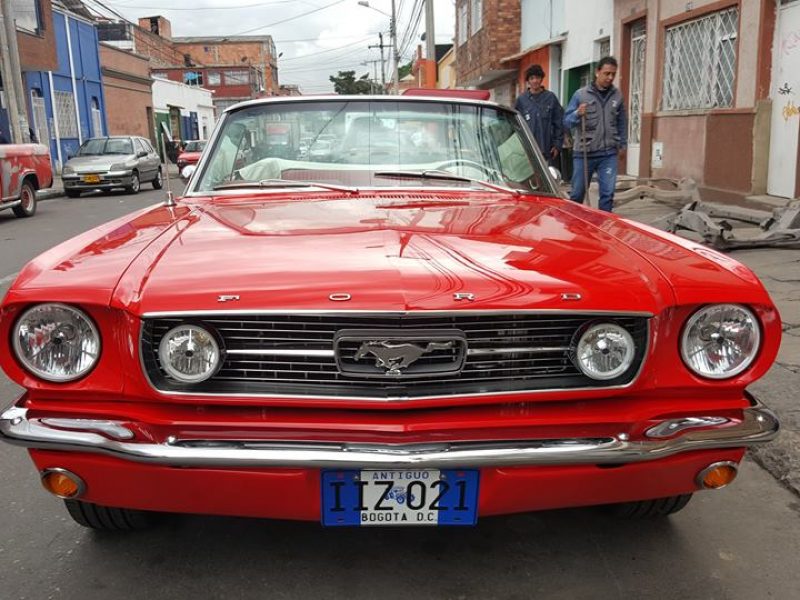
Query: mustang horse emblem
x=394 y=357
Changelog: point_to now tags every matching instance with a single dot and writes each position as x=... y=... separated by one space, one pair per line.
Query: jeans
x=606 y=169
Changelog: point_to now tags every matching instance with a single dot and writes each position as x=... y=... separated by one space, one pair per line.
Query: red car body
x=189 y=157
x=24 y=169
x=467 y=255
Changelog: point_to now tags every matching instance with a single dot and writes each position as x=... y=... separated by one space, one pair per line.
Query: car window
x=93 y=147
x=147 y=145
x=351 y=142
x=195 y=146
x=119 y=146
x=139 y=146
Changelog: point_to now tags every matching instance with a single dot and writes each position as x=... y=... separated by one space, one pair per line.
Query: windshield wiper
x=444 y=176
x=282 y=183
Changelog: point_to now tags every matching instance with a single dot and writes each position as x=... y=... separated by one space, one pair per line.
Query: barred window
x=700 y=62
x=237 y=77
x=65 y=111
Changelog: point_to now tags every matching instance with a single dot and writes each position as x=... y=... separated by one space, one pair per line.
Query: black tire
x=72 y=193
x=108 y=518
x=651 y=509
x=135 y=185
x=27 y=194
x=158 y=182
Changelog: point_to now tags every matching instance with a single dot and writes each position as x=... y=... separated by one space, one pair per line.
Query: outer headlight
x=720 y=341
x=67 y=170
x=56 y=342
x=189 y=353
x=605 y=351
x=119 y=167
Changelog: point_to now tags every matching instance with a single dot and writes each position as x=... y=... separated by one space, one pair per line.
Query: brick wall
x=497 y=38
x=254 y=53
x=38 y=52
x=160 y=51
x=128 y=93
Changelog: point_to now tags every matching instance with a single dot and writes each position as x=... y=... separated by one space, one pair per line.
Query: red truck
x=24 y=169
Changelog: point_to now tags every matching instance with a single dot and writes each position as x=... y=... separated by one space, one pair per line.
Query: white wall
x=586 y=21
x=190 y=98
x=541 y=20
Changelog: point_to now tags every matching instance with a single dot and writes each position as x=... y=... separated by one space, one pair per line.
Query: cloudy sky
x=317 y=37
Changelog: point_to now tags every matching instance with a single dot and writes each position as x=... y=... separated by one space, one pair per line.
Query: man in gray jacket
x=603 y=136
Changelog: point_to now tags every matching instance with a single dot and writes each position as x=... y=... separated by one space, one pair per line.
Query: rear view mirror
x=141 y=154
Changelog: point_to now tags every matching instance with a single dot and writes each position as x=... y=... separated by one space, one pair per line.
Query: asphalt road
x=741 y=542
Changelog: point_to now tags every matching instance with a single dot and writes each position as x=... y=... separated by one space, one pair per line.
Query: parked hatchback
x=112 y=162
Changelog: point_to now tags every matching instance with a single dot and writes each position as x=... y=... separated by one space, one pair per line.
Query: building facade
x=698 y=82
x=67 y=103
x=487 y=31
x=186 y=112
x=128 y=90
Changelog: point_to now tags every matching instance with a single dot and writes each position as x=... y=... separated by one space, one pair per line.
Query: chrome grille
x=294 y=355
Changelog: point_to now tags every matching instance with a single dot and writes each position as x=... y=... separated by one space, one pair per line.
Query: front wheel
x=27 y=196
x=108 y=518
x=651 y=509
x=158 y=182
x=135 y=184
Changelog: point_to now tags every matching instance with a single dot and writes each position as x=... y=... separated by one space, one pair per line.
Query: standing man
x=597 y=115
x=543 y=113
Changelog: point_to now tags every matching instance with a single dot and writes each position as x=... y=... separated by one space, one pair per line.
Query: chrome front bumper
x=759 y=424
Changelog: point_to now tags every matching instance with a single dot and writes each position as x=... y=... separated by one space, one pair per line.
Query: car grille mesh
x=293 y=355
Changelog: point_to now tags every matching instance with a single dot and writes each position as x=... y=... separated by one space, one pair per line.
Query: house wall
x=499 y=36
x=447 y=71
x=586 y=22
x=82 y=78
x=38 y=52
x=128 y=91
x=724 y=149
x=540 y=21
x=255 y=53
x=195 y=105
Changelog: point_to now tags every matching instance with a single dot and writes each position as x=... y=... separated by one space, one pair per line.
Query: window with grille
x=603 y=48
x=237 y=77
x=476 y=17
x=700 y=62
x=213 y=78
x=65 y=110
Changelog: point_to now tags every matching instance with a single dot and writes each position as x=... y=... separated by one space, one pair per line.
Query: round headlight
x=189 y=353
x=720 y=341
x=56 y=342
x=604 y=351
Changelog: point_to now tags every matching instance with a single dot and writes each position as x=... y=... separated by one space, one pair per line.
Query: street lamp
x=393 y=34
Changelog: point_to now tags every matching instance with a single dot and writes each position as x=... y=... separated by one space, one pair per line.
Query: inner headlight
x=56 y=342
x=119 y=167
x=604 y=351
x=189 y=353
x=67 y=170
x=720 y=341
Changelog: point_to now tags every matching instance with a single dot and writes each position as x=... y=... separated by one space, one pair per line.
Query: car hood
x=84 y=164
x=393 y=251
x=189 y=156
x=400 y=251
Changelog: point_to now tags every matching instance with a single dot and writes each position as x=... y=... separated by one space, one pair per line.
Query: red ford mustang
x=411 y=329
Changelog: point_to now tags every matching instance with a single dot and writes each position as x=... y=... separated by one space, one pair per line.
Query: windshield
x=357 y=142
x=98 y=146
x=195 y=146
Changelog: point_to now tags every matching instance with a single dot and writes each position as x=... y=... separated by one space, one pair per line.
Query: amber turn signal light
x=717 y=475
x=63 y=483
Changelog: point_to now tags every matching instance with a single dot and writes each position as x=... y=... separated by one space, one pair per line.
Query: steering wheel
x=456 y=162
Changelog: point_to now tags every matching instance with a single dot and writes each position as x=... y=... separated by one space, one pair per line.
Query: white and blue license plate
x=402 y=497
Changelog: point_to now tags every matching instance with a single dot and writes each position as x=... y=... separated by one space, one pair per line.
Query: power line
x=289 y=19
x=199 y=8
x=311 y=54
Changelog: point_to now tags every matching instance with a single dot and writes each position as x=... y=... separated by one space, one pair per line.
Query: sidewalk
x=779 y=271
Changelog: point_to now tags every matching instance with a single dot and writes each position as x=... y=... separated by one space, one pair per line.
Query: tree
x=403 y=70
x=346 y=83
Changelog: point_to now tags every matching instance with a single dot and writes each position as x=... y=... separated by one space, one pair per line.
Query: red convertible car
x=426 y=333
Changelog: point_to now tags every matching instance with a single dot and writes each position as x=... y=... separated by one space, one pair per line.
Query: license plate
x=91 y=179
x=404 y=497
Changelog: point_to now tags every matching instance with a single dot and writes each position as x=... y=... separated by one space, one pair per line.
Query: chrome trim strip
x=675 y=426
x=114 y=429
x=279 y=352
x=531 y=350
x=758 y=425
x=288 y=312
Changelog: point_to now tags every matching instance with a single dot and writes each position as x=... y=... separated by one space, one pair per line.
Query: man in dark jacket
x=603 y=136
x=543 y=114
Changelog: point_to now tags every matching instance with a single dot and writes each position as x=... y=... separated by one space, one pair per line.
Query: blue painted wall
x=88 y=81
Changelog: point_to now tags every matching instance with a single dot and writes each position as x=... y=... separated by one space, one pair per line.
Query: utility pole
x=12 y=75
x=396 y=76
x=383 y=71
x=430 y=40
